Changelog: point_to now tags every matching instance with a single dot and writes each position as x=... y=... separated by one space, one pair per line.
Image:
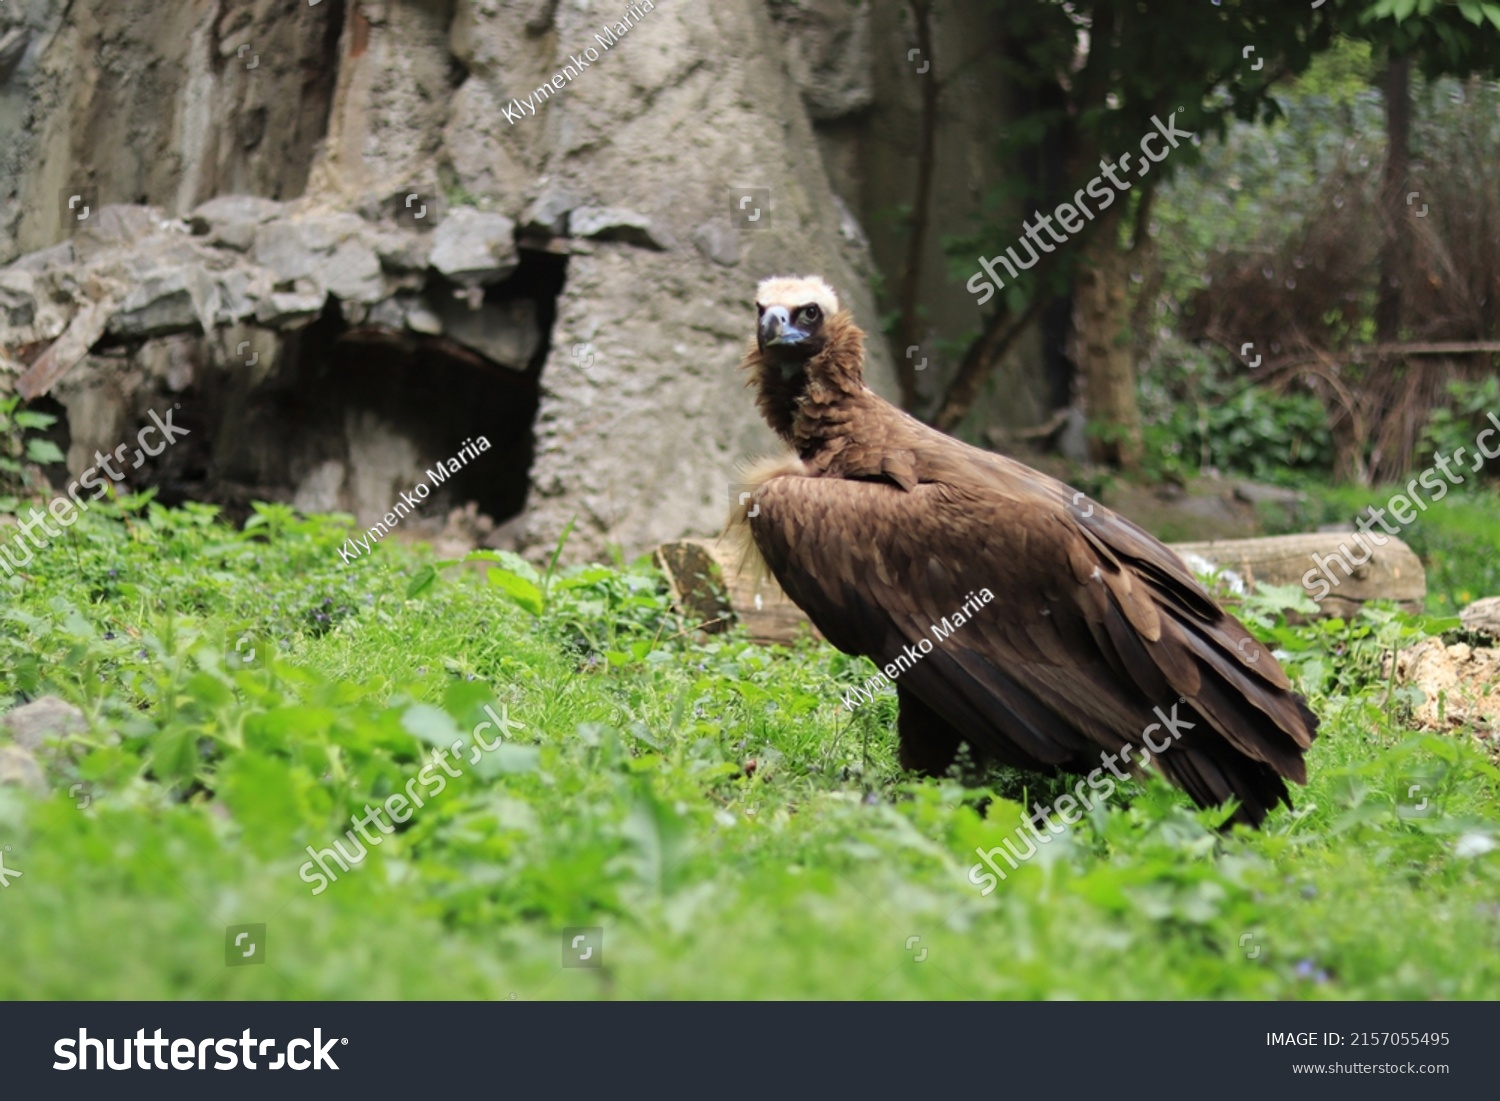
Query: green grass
x=626 y=803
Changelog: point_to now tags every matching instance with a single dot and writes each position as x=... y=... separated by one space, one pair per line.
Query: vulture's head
x=804 y=345
x=792 y=323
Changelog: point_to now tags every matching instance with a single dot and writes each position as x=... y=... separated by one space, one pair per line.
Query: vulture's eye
x=811 y=313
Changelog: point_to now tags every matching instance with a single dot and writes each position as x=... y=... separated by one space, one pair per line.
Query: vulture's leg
x=928 y=743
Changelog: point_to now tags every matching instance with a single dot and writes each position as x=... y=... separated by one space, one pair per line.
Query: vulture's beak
x=776 y=328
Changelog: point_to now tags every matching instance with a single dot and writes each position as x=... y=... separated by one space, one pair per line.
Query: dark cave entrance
x=349 y=412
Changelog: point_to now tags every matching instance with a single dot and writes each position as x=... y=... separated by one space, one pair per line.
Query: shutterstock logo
x=141 y=1053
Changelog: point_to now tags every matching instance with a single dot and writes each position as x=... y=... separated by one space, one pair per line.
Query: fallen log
x=707 y=586
x=1323 y=564
x=1482 y=617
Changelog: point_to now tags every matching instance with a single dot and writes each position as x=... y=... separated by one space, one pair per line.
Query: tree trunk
x=1106 y=349
x=911 y=279
x=1390 y=387
x=1395 y=248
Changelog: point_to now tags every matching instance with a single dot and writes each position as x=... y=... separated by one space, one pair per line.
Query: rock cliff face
x=344 y=237
x=864 y=81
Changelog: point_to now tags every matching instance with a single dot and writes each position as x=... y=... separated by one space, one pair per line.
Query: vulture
x=1012 y=614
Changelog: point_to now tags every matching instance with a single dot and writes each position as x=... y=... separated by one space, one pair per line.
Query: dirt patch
x=1460 y=683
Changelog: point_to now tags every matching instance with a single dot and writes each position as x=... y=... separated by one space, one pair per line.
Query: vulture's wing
x=1096 y=631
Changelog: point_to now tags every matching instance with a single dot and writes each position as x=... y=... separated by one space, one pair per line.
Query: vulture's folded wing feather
x=1099 y=627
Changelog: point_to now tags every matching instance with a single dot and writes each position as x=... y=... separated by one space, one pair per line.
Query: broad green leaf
x=208 y=690
x=507 y=760
x=174 y=754
x=660 y=837
x=421 y=581
x=43 y=452
x=268 y=798
x=431 y=724
x=520 y=590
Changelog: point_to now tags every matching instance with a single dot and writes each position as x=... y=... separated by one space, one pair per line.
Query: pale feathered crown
x=797 y=290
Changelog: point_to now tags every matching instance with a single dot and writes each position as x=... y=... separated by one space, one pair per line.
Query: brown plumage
x=880 y=528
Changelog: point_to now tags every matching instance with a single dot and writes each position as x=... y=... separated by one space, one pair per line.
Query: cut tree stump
x=707 y=586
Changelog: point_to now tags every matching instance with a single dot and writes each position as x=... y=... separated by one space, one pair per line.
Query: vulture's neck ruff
x=806 y=359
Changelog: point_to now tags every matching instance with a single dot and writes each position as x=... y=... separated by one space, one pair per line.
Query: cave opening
x=348 y=411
